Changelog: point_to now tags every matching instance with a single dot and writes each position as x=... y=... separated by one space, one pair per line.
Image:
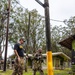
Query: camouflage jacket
x=37 y=61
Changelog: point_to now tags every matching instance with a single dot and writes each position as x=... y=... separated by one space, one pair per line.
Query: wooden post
x=48 y=39
x=8 y=14
x=48 y=36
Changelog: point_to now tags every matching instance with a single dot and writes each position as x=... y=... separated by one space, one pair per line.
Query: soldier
x=1 y=60
x=37 y=62
x=19 y=61
x=26 y=62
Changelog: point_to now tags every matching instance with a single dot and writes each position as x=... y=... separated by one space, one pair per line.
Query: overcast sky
x=59 y=10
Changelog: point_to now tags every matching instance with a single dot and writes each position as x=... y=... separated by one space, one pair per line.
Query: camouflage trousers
x=40 y=71
x=18 y=67
x=37 y=66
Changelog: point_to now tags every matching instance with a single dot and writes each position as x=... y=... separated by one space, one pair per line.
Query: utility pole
x=8 y=15
x=48 y=36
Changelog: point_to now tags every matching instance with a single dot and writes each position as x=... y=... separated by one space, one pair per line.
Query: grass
x=61 y=72
x=56 y=72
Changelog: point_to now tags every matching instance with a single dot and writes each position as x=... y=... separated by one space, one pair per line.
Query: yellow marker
x=21 y=46
x=49 y=63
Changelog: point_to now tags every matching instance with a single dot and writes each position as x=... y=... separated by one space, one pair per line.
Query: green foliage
x=61 y=72
x=70 y=25
x=73 y=68
x=3 y=6
x=19 y=22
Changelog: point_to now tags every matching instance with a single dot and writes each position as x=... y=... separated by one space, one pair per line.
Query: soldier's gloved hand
x=39 y=56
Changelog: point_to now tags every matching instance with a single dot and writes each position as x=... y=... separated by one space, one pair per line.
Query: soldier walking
x=1 y=60
x=19 y=60
x=37 y=62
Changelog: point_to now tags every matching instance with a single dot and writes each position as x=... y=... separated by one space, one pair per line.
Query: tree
x=18 y=27
x=70 y=25
x=3 y=17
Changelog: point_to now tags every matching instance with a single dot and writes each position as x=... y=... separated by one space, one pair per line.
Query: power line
x=21 y=5
x=56 y=20
x=43 y=17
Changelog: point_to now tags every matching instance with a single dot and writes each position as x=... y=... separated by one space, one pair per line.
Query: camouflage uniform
x=37 y=63
x=19 y=52
x=18 y=66
x=1 y=61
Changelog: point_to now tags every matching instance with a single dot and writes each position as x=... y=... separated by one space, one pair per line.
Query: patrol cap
x=22 y=39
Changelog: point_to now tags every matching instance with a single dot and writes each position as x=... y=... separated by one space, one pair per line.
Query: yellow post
x=49 y=63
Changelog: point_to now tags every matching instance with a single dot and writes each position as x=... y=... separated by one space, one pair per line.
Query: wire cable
x=56 y=20
x=21 y=5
